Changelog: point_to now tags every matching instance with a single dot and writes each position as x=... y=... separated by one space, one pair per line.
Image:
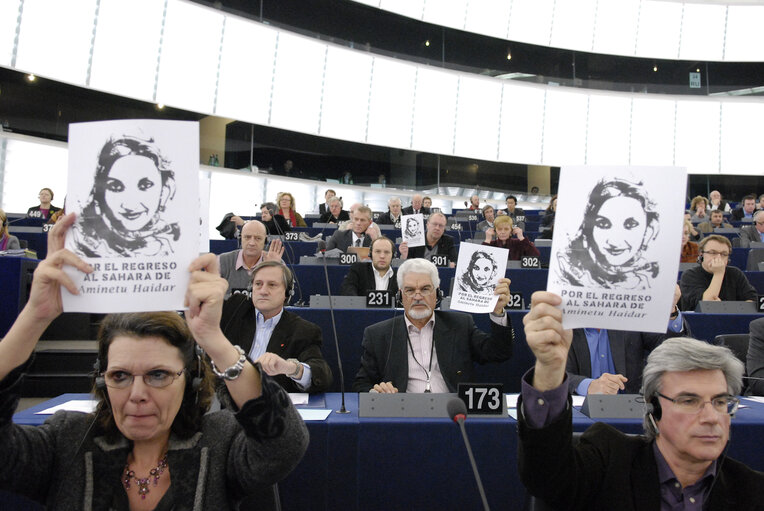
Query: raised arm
x=204 y=299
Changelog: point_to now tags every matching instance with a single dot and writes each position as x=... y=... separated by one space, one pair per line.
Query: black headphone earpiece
x=700 y=258
x=99 y=381
x=654 y=408
x=289 y=292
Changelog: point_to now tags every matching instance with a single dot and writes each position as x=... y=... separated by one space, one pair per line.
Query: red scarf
x=292 y=219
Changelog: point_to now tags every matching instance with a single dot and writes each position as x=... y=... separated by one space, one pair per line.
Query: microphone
x=458 y=413
x=322 y=248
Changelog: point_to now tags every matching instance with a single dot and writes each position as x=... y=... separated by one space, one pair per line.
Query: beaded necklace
x=143 y=482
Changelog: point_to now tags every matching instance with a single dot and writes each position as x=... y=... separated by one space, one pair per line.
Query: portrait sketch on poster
x=131 y=184
x=478 y=271
x=412 y=229
x=615 y=252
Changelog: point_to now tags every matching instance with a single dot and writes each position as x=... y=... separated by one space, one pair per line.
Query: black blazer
x=277 y=225
x=293 y=337
x=629 y=351
x=387 y=219
x=360 y=278
x=609 y=470
x=329 y=218
x=445 y=247
x=458 y=345
x=343 y=239
x=409 y=210
x=322 y=208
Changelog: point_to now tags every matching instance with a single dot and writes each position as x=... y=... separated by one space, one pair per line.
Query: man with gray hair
x=428 y=350
x=681 y=461
x=753 y=233
x=236 y=266
x=417 y=206
x=393 y=215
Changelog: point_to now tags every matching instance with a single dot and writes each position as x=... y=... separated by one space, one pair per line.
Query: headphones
x=653 y=408
x=196 y=383
x=288 y=278
x=438 y=299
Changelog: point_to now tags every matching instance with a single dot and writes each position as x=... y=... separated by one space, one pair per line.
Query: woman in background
x=45 y=209
x=7 y=241
x=286 y=209
x=689 y=249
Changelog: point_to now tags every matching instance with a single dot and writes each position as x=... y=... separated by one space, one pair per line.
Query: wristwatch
x=298 y=364
x=235 y=370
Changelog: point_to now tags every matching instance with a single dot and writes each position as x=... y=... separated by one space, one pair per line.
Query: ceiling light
x=31 y=77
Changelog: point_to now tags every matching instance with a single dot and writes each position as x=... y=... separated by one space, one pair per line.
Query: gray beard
x=419 y=315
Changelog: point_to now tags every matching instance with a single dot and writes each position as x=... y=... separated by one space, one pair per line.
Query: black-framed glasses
x=694 y=404
x=157 y=378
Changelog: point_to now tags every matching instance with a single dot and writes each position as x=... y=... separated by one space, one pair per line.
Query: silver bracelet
x=235 y=370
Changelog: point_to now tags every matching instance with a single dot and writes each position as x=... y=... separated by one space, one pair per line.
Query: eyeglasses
x=411 y=292
x=158 y=378
x=716 y=253
x=694 y=404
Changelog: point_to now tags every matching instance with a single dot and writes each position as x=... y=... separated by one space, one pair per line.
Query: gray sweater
x=230 y=457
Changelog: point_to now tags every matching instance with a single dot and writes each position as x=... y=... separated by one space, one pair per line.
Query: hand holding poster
x=479 y=269
x=412 y=230
x=615 y=252
x=128 y=184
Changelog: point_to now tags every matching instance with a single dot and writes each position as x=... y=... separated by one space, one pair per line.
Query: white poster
x=134 y=186
x=204 y=211
x=412 y=229
x=478 y=271
x=615 y=252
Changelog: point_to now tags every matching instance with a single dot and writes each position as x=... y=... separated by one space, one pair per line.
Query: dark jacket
x=293 y=337
x=329 y=218
x=695 y=281
x=445 y=247
x=360 y=279
x=458 y=343
x=609 y=470
x=343 y=239
x=628 y=349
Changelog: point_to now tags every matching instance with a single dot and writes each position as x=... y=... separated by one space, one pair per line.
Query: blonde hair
x=502 y=220
x=4 y=220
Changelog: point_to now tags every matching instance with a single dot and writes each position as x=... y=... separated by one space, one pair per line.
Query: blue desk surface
x=384 y=463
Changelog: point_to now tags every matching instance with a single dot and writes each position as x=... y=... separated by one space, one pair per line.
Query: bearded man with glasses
x=689 y=388
x=713 y=279
x=428 y=350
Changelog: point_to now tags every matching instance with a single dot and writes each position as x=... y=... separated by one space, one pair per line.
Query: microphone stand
x=458 y=411
x=322 y=248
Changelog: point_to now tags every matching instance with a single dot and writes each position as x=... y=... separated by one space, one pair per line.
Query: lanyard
x=427 y=372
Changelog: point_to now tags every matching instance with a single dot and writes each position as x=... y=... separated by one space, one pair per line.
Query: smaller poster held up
x=130 y=184
x=479 y=269
x=615 y=254
x=412 y=229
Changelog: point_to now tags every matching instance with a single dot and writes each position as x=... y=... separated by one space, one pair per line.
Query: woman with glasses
x=150 y=443
x=713 y=279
